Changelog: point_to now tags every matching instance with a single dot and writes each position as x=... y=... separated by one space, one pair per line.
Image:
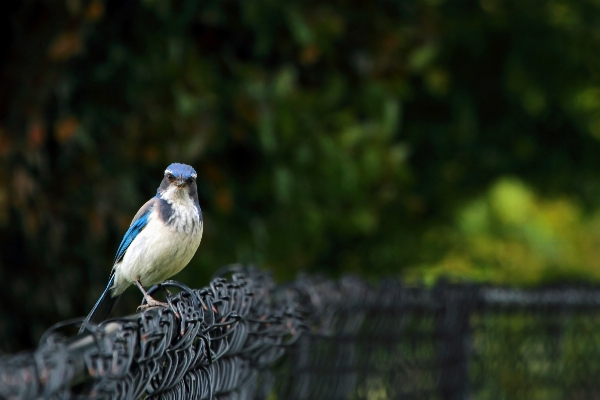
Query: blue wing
x=137 y=225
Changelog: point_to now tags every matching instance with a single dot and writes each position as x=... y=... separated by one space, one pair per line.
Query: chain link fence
x=244 y=337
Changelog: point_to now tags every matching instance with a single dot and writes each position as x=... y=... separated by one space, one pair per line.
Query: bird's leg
x=150 y=302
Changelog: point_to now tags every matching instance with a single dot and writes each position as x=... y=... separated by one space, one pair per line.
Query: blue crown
x=181 y=170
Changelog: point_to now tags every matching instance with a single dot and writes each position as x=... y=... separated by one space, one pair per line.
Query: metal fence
x=244 y=337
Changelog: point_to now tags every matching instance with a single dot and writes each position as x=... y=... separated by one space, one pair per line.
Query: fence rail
x=243 y=337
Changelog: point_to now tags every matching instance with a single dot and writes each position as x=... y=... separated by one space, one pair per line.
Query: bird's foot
x=150 y=303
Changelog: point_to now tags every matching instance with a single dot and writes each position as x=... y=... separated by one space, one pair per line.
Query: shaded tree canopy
x=421 y=138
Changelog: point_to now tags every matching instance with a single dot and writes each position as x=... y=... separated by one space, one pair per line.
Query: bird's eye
x=170 y=176
x=190 y=180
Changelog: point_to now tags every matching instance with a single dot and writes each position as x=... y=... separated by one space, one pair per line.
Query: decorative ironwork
x=244 y=337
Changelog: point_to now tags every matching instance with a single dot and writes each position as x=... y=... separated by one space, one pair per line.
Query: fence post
x=453 y=333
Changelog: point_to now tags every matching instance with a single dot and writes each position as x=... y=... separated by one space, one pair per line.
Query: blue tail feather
x=104 y=306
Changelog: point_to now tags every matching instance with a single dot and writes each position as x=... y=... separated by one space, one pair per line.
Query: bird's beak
x=180 y=182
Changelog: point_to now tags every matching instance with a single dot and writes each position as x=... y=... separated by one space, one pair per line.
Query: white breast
x=185 y=217
x=161 y=249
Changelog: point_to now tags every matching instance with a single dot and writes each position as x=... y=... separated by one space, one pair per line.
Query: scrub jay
x=161 y=240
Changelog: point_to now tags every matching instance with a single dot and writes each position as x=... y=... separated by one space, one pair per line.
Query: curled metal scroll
x=243 y=337
x=209 y=342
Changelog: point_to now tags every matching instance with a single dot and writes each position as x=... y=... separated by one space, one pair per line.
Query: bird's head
x=179 y=181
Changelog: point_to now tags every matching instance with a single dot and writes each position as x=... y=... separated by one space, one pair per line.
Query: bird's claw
x=150 y=303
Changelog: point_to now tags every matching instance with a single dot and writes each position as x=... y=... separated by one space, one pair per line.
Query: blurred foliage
x=511 y=236
x=543 y=355
x=378 y=137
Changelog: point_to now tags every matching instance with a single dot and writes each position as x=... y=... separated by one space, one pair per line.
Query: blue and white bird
x=161 y=240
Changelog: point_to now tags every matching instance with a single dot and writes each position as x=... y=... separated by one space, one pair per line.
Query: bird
x=161 y=240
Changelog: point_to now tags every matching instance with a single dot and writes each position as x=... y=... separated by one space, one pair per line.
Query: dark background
x=420 y=138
